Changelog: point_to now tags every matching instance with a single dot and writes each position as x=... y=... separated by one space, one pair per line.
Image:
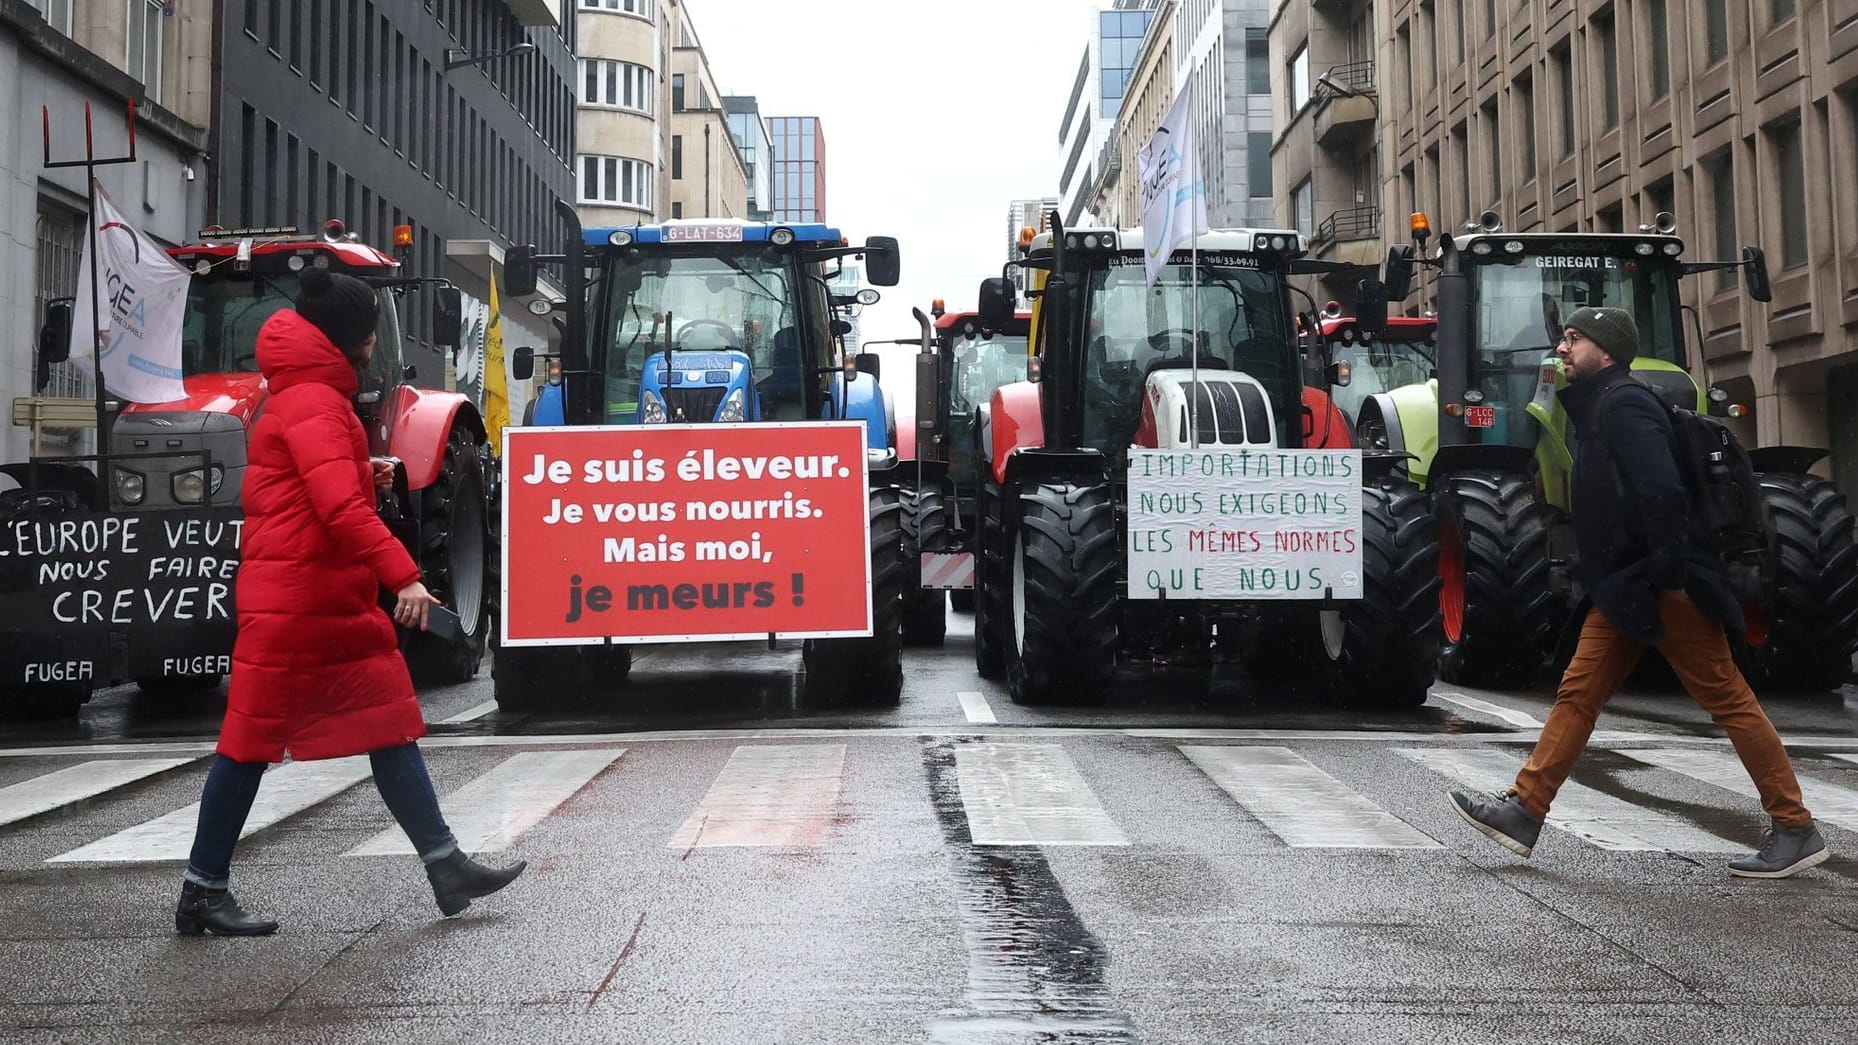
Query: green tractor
x=1490 y=443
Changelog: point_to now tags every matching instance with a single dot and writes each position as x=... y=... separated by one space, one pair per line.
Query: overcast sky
x=936 y=115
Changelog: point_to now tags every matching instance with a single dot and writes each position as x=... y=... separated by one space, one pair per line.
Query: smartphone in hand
x=442 y=623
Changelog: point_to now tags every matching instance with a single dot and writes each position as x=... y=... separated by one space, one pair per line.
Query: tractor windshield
x=1400 y=357
x=1134 y=329
x=1520 y=304
x=980 y=361
x=224 y=313
x=745 y=306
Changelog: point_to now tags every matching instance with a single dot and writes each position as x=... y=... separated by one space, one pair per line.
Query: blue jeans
x=399 y=774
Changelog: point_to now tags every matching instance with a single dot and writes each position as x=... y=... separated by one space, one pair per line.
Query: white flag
x=1173 y=194
x=144 y=298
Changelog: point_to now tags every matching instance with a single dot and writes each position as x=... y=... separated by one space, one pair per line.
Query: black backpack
x=1719 y=481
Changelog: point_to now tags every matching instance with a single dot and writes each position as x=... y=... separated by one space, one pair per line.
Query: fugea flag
x=144 y=297
x=1173 y=195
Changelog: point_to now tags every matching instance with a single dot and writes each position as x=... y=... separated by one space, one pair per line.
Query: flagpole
x=1193 y=346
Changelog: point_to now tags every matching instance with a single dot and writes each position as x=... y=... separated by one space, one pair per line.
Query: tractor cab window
x=1379 y=365
x=1521 y=302
x=981 y=361
x=1132 y=330
x=383 y=369
x=224 y=313
x=742 y=306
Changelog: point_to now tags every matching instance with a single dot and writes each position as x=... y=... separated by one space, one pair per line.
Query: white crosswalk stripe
x=77 y=783
x=1828 y=802
x=287 y=790
x=1600 y=818
x=1846 y=757
x=1029 y=794
x=1300 y=803
x=494 y=810
x=768 y=795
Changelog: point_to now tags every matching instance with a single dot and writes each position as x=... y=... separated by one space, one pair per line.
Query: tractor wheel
x=1390 y=636
x=1063 y=591
x=1500 y=618
x=454 y=557
x=925 y=525
x=990 y=585
x=44 y=701
x=868 y=671
x=1812 y=616
x=961 y=601
x=539 y=678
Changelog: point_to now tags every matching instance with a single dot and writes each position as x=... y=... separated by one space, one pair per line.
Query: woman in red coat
x=316 y=669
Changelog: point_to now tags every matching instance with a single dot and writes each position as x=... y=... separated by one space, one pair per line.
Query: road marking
x=494 y=810
x=1846 y=758
x=768 y=794
x=1829 y=802
x=471 y=714
x=1029 y=794
x=975 y=706
x=43 y=794
x=1470 y=703
x=287 y=790
x=1301 y=804
x=1606 y=821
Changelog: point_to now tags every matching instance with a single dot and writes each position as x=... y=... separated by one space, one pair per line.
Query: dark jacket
x=1632 y=523
x=316 y=668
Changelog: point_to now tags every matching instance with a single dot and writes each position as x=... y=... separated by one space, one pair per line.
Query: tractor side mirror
x=522 y=363
x=1398 y=281
x=448 y=317
x=1371 y=306
x=868 y=363
x=882 y=265
x=996 y=307
x=1756 y=274
x=519 y=270
x=55 y=334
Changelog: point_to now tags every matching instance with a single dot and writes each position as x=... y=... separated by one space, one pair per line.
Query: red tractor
x=178 y=468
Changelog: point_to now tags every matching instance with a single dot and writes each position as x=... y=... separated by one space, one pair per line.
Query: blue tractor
x=716 y=322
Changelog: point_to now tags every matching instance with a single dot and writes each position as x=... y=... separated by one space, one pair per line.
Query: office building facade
x=750 y=132
x=799 y=168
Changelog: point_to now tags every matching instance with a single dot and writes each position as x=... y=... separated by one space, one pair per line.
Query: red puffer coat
x=316 y=670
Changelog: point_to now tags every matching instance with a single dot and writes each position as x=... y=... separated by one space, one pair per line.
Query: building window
x=1490 y=17
x=616 y=180
x=1303 y=208
x=1790 y=178
x=1605 y=29
x=641 y=8
x=677 y=92
x=1460 y=31
x=1719 y=175
x=677 y=209
x=1779 y=11
x=142 y=45
x=1257 y=62
x=57 y=13
x=1258 y=164
x=1525 y=104
x=1715 y=30
x=1493 y=148
x=1658 y=17
x=677 y=157
x=1299 y=79
x=1563 y=61
x=616 y=85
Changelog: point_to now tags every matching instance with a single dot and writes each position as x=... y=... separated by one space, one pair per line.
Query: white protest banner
x=144 y=297
x=1244 y=524
x=1173 y=194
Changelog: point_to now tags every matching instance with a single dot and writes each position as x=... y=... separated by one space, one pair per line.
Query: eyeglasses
x=1569 y=339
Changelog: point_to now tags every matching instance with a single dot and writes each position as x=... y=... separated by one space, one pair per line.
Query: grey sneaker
x=1784 y=851
x=1502 y=818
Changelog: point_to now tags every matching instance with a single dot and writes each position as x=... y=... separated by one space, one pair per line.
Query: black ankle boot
x=215 y=911
x=457 y=880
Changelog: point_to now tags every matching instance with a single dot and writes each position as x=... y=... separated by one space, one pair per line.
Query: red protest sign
x=685 y=532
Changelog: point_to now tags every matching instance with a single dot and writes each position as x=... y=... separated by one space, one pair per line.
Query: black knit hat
x=344 y=308
x=1610 y=328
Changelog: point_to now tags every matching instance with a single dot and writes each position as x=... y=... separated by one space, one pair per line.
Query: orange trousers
x=1698 y=651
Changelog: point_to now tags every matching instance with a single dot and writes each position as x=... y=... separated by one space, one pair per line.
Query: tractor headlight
x=191 y=486
x=130 y=486
x=619 y=238
x=734 y=408
x=781 y=237
x=654 y=409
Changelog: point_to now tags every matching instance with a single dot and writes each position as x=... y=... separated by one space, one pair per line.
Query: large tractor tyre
x=961 y=600
x=1812 y=616
x=1063 y=595
x=1390 y=636
x=925 y=525
x=44 y=701
x=1500 y=618
x=868 y=671
x=547 y=678
x=454 y=561
x=991 y=577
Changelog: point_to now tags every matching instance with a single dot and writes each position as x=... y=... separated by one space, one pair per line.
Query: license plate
x=1480 y=417
x=703 y=233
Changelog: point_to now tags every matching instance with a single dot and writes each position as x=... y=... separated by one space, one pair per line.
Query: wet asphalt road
x=710 y=861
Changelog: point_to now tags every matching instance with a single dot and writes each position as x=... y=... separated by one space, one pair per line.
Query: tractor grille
x=1229 y=413
x=695 y=404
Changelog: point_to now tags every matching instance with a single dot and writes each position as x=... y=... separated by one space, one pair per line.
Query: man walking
x=1651 y=585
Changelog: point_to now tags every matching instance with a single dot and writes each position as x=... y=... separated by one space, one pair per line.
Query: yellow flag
x=496 y=385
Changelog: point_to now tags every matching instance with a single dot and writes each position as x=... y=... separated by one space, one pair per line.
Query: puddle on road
x=1035 y=973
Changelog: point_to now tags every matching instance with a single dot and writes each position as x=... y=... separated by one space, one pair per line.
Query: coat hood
x=292 y=351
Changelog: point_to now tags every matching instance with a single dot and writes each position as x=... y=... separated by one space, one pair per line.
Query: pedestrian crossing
x=1011 y=792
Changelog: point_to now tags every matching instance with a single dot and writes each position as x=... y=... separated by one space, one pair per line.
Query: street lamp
x=465 y=57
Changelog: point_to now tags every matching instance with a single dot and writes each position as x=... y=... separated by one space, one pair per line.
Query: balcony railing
x=1353 y=223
